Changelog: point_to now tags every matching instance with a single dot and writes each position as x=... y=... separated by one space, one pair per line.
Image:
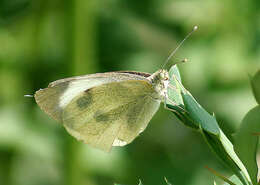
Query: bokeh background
x=45 y=40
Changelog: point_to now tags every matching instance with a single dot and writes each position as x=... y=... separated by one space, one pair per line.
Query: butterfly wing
x=111 y=114
x=59 y=93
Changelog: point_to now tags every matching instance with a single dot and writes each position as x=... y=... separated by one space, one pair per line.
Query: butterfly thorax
x=160 y=81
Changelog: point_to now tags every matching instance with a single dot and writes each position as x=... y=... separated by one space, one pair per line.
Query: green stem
x=6 y=160
x=80 y=28
x=220 y=176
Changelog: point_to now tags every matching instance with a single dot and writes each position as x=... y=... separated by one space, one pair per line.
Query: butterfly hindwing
x=111 y=114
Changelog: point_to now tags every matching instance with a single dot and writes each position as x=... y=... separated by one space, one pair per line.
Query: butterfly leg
x=167 y=108
x=172 y=110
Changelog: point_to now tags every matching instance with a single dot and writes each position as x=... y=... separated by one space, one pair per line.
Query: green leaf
x=200 y=115
x=235 y=180
x=188 y=110
x=228 y=181
x=184 y=118
x=228 y=146
x=174 y=89
x=174 y=71
x=246 y=142
x=223 y=149
x=255 y=83
x=174 y=101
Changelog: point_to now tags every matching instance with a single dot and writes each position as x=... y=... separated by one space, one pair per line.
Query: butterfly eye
x=166 y=76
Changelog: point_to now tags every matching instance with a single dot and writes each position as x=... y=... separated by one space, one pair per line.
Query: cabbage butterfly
x=106 y=109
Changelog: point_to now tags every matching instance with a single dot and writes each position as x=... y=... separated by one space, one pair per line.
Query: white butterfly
x=105 y=109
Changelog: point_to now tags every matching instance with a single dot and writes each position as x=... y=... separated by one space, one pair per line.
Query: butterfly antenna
x=174 y=51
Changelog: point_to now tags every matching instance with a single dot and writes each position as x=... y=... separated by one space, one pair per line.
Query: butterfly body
x=105 y=109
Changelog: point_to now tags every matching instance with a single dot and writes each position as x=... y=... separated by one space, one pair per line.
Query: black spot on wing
x=110 y=116
x=84 y=101
x=101 y=116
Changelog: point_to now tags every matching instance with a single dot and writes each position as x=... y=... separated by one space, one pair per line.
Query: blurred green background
x=45 y=40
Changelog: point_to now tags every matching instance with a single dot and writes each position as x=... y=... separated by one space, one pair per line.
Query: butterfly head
x=160 y=81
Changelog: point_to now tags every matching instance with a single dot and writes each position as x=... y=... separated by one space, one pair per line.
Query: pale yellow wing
x=58 y=94
x=111 y=114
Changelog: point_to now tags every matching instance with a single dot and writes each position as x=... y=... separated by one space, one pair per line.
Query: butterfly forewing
x=59 y=93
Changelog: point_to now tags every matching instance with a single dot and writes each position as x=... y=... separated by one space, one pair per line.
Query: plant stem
x=80 y=26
